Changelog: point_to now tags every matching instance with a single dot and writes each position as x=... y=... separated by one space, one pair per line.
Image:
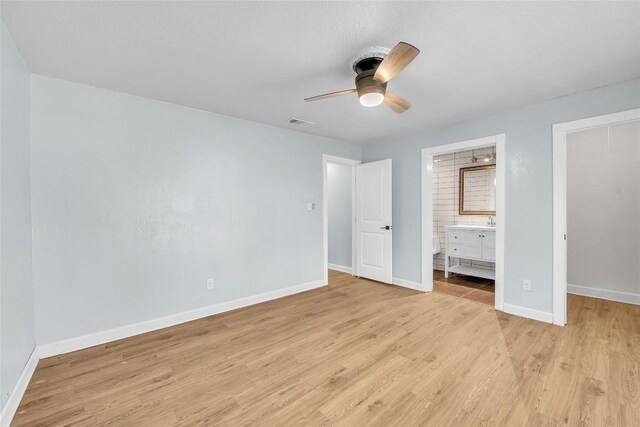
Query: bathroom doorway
x=462 y=231
x=464 y=210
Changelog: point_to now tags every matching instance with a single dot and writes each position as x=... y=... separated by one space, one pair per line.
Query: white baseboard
x=530 y=313
x=11 y=406
x=618 y=296
x=341 y=268
x=90 y=340
x=408 y=284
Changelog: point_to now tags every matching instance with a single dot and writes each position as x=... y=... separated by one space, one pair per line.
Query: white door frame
x=560 y=132
x=427 y=207
x=326 y=159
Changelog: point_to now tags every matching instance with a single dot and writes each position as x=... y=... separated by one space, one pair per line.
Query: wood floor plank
x=354 y=353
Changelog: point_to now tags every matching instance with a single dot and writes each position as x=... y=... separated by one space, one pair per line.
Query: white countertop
x=469 y=227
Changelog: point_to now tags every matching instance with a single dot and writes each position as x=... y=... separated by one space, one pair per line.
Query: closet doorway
x=596 y=206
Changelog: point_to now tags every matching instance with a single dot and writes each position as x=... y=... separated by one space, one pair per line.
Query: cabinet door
x=473 y=240
x=489 y=246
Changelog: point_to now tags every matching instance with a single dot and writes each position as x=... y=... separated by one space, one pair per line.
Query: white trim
x=90 y=340
x=341 y=268
x=427 y=207
x=530 y=313
x=426 y=226
x=618 y=296
x=560 y=131
x=598 y=121
x=501 y=217
x=11 y=406
x=559 y=285
x=326 y=158
x=408 y=284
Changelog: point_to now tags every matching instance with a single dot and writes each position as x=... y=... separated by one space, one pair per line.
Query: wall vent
x=299 y=122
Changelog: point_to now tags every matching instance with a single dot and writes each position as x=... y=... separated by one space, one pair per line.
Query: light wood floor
x=355 y=353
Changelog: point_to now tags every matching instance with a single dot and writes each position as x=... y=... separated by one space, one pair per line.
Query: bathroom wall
x=339 y=214
x=446 y=197
x=603 y=207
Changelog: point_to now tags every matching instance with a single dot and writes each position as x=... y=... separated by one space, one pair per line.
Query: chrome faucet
x=492 y=222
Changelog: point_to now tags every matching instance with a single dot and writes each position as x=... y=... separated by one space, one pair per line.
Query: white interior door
x=374 y=233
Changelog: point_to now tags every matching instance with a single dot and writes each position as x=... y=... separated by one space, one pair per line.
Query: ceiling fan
x=374 y=69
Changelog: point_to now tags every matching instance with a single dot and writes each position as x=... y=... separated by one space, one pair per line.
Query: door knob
x=386 y=227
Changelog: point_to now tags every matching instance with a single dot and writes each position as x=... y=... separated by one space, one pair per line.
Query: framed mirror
x=477 y=190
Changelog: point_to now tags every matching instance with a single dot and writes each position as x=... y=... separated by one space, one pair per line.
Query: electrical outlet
x=209 y=284
x=526 y=285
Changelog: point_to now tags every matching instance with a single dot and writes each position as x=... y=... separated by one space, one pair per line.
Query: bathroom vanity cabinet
x=472 y=242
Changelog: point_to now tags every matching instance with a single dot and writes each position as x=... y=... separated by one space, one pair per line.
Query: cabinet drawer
x=456 y=249
x=455 y=236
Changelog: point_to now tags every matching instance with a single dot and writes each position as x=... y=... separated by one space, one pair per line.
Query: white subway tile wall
x=446 y=186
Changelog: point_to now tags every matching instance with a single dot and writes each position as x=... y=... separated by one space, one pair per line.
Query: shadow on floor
x=467 y=287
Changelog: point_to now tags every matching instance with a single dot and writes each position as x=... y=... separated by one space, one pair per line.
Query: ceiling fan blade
x=396 y=103
x=399 y=57
x=330 y=95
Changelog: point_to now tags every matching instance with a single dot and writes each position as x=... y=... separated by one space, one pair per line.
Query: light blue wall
x=137 y=202
x=339 y=213
x=528 y=184
x=17 y=331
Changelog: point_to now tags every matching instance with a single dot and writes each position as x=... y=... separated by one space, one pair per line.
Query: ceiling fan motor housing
x=369 y=59
x=365 y=84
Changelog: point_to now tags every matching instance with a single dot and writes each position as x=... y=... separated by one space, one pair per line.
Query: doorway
x=338 y=186
x=471 y=247
x=340 y=216
x=371 y=228
x=464 y=184
x=596 y=203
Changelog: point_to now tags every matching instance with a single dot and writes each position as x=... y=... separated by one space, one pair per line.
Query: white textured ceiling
x=258 y=61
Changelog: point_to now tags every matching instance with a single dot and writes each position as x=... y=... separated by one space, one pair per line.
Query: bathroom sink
x=470 y=226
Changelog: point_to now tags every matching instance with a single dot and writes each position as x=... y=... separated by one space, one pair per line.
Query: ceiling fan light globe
x=371 y=99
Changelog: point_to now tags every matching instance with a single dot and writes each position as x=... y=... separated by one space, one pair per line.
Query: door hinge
x=565 y=237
